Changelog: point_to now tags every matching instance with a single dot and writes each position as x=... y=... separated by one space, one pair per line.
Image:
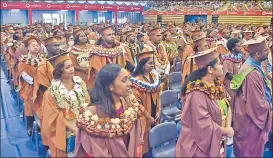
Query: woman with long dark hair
x=79 y=54
x=147 y=88
x=111 y=126
x=61 y=106
x=202 y=133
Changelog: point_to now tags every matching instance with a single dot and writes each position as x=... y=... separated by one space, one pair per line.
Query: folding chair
x=162 y=140
x=178 y=67
x=175 y=79
x=179 y=127
x=169 y=102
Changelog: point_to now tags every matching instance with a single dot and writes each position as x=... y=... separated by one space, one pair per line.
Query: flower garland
x=14 y=44
x=145 y=87
x=107 y=52
x=69 y=101
x=160 y=56
x=171 y=49
x=234 y=58
x=30 y=60
x=106 y=127
x=214 y=92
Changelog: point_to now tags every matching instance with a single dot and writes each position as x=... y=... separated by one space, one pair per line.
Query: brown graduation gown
x=145 y=99
x=43 y=77
x=54 y=126
x=97 y=62
x=83 y=75
x=186 y=64
x=25 y=89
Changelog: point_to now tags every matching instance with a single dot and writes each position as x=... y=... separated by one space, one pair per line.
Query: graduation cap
x=165 y=32
x=31 y=39
x=55 y=30
x=154 y=30
x=204 y=58
x=235 y=32
x=59 y=58
x=77 y=32
x=197 y=35
x=19 y=28
x=146 y=52
x=256 y=45
x=248 y=31
x=76 y=28
x=50 y=40
x=129 y=33
x=105 y=28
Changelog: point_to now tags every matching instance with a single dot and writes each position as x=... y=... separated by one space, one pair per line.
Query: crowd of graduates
x=100 y=85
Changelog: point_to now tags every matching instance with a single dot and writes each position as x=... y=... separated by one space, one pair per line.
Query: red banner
x=233 y=13
x=68 y=6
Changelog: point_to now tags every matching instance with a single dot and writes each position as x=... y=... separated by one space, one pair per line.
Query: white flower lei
x=69 y=100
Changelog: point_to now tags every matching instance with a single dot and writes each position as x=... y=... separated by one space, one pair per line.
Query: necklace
x=234 y=58
x=69 y=101
x=79 y=49
x=146 y=87
x=107 y=52
x=171 y=49
x=160 y=54
x=214 y=92
x=107 y=127
x=30 y=60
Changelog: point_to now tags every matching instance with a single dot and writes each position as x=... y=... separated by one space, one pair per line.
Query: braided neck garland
x=214 y=92
x=30 y=60
x=234 y=58
x=146 y=87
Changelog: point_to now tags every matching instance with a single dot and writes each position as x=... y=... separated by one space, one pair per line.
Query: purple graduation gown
x=201 y=121
x=252 y=117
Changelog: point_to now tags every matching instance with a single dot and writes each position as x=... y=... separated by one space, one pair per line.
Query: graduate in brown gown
x=69 y=29
x=70 y=39
x=147 y=89
x=39 y=31
x=186 y=64
x=42 y=81
x=252 y=113
x=171 y=47
x=59 y=35
x=162 y=64
x=202 y=134
x=232 y=63
x=80 y=54
x=92 y=37
x=106 y=53
x=131 y=49
x=221 y=42
x=199 y=43
x=110 y=127
x=18 y=38
x=26 y=73
x=61 y=104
